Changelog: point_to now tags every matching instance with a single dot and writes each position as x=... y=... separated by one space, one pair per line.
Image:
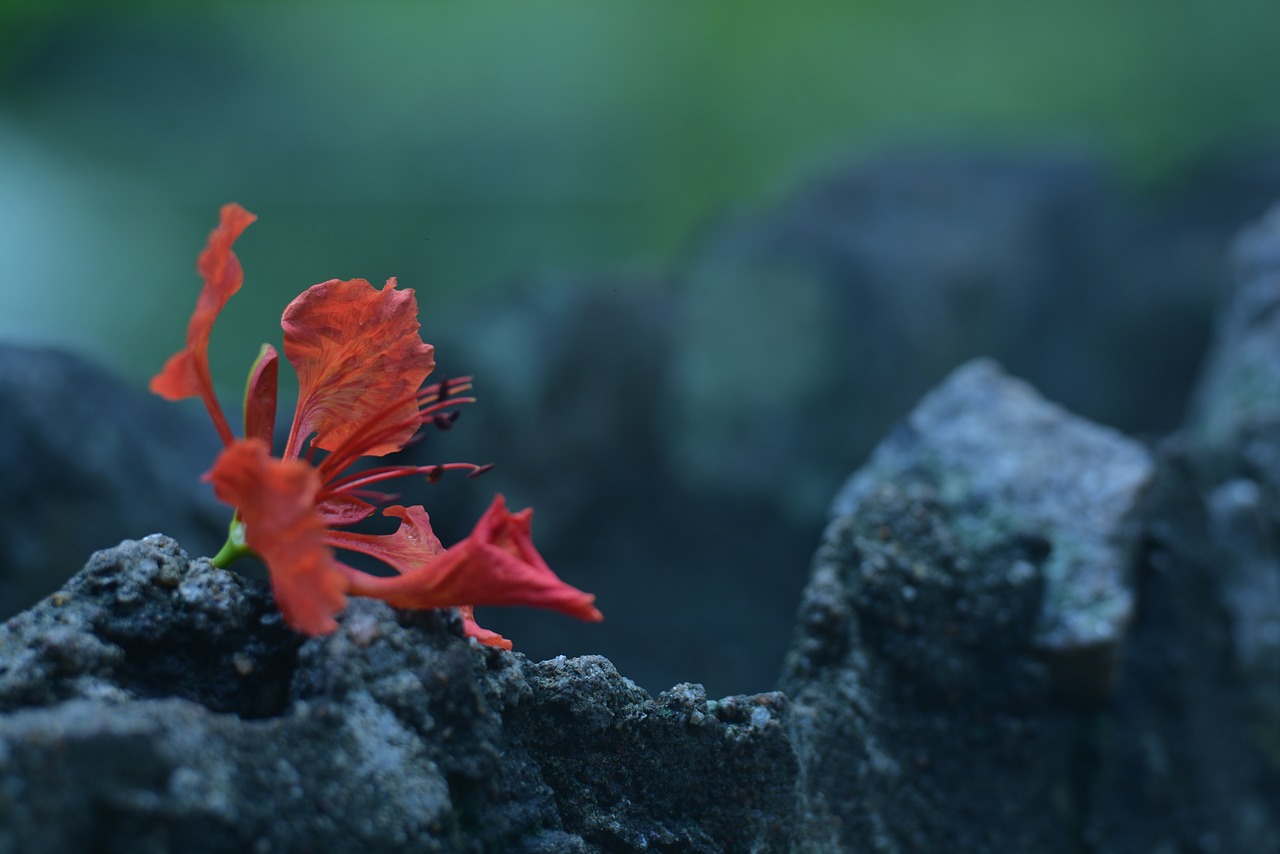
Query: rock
x=972 y=587
x=142 y=621
x=1024 y=632
x=157 y=703
x=86 y=460
x=1231 y=448
x=1180 y=758
x=1237 y=402
x=691 y=774
x=1012 y=467
x=977 y=667
x=921 y=714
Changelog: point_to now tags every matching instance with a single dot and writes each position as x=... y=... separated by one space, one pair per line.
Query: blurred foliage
x=463 y=145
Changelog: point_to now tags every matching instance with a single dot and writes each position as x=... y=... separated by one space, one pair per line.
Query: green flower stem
x=234 y=548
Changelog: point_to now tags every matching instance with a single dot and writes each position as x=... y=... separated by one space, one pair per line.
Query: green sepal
x=234 y=548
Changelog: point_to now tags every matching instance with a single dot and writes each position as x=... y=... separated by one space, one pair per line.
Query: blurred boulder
x=85 y=460
x=810 y=325
x=1237 y=403
x=1179 y=758
x=1232 y=450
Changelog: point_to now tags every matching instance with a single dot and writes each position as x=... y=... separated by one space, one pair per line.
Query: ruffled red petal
x=412 y=546
x=276 y=502
x=360 y=361
x=496 y=565
x=186 y=374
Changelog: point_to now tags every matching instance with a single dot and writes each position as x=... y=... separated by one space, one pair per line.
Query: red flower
x=361 y=364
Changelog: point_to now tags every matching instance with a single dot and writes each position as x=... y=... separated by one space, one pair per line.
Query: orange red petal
x=360 y=359
x=260 y=396
x=496 y=565
x=472 y=629
x=341 y=509
x=412 y=546
x=186 y=374
x=276 y=502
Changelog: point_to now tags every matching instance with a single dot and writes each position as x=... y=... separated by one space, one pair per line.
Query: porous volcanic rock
x=157 y=703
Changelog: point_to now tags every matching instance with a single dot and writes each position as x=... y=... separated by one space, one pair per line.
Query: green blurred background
x=461 y=145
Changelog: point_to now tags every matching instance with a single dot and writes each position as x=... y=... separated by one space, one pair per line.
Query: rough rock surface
x=1010 y=466
x=973 y=585
x=157 y=703
x=1018 y=636
x=922 y=717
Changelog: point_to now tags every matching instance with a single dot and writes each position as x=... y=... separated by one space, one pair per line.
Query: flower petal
x=260 y=396
x=359 y=357
x=472 y=629
x=186 y=374
x=496 y=565
x=341 y=509
x=276 y=501
x=410 y=547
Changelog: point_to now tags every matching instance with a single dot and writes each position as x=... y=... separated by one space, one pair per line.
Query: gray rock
x=1009 y=465
x=142 y=621
x=1022 y=631
x=1180 y=759
x=1232 y=443
x=157 y=703
x=921 y=712
x=1018 y=636
x=691 y=774
x=1239 y=391
x=939 y=695
x=973 y=583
